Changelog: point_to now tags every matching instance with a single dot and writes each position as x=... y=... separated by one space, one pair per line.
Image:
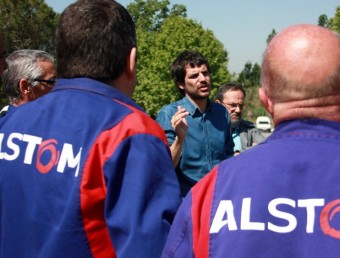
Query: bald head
x=302 y=65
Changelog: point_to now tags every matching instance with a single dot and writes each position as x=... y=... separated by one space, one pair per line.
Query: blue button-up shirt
x=237 y=140
x=208 y=140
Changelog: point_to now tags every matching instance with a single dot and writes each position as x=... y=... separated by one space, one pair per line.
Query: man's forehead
x=236 y=95
x=195 y=69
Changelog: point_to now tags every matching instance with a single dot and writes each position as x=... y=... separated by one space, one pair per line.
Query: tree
x=271 y=35
x=161 y=35
x=334 y=23
x=250 y=75
x=255 y=75
x=149 y=15
x=323 y=21
x=28 y=24
x=244 y=75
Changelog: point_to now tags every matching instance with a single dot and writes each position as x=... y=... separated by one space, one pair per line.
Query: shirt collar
x=90 y=85
x=192 y=108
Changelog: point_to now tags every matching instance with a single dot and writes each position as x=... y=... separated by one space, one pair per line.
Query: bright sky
x=244 y=25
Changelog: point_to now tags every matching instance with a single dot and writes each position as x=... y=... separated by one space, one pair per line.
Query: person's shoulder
x=205 y=187
x=141 y=123
x=247 y=123
x=219 y=112
x=4 y=110
x=169 y=109
x=218 y=108
x=170 y=106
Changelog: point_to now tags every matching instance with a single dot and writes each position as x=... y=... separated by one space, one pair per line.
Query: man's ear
x=180 y=85
x=24 y=87
x=217 y=101
x=131 y=64
x=266 y=101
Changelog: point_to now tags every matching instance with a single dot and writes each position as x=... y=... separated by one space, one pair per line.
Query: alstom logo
x=44 y=154
x=225 y=216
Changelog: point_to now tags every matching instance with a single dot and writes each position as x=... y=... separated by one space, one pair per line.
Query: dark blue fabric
x=40 y=212
x=208 y=140
x=278 y=198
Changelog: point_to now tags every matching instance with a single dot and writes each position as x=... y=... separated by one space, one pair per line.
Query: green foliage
x=250 y=75
x=254 y=107
x=271 y=35
x=27 y=24
x=334 y=23
x=323 y=21
x=161 y=36
x=149 y=15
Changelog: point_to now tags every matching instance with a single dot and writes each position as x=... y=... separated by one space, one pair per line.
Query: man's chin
x=200 y=97
x=235 y=123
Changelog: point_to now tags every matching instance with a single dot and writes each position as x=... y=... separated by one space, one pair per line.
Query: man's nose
x=202 y=77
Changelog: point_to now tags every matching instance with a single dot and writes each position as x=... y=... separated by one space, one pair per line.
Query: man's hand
x=179 y=123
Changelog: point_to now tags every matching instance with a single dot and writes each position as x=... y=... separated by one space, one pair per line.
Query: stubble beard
x=235 y=121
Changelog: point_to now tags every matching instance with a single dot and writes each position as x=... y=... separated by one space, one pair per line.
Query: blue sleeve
x=164 y=120
x=142 y=196
x=229 y=142
x=180 y=240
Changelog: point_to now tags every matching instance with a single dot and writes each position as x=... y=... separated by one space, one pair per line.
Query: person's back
x=280 y=198
x=84 y=172
x=54 y=175
x=282 y=204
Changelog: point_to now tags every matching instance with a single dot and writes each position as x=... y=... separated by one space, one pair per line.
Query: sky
x=243 y=26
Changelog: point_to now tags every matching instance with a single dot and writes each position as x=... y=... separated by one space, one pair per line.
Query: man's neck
x=326 y=108
x=234 y=128
x=200 y=103
x=19 y=102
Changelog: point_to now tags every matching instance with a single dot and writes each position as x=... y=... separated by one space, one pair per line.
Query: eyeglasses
x=50 y=82
x=233 y=106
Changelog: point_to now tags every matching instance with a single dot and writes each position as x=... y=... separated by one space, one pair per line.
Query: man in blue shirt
x=280 y=198
x=197 y=129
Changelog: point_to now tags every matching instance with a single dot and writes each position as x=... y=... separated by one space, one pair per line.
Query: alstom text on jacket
x=225 y=216
x=46 y=154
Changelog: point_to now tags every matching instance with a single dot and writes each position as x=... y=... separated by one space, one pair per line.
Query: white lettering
x=68 y=158
x=36 y=146
x=224 y=208
x=14 y=147
x=272 y=208
x=32 y=141
x=225 y=216
x=246 y=224
x=310 y=205
x=1 y=140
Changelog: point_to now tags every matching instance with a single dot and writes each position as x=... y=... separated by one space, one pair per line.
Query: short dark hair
x=228 y=87
x=187 y=57
x=93 y=39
